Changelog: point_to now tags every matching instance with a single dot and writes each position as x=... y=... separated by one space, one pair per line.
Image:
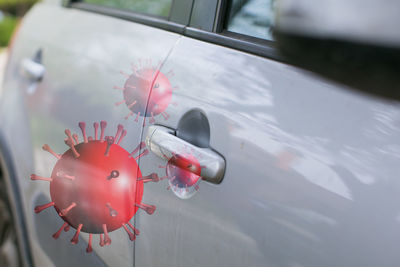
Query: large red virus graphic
x=183 y=173
x=147 y=91
x=96 y=186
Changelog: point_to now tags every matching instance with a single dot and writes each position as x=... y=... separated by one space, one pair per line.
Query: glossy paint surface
x=312 y=169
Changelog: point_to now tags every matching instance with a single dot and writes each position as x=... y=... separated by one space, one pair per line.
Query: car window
x=151 y=7
x=251 y=17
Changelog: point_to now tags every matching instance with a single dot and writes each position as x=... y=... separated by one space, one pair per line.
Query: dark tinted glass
x=151 y=7
x=251 y=17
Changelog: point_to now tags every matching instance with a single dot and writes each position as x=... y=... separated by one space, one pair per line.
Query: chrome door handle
x=163 y=142
x=32 y=70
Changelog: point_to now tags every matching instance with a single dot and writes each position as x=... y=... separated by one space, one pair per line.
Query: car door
x=310 y=177
x=70 y=65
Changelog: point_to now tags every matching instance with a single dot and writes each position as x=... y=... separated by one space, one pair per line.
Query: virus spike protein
x=82 y=125
x=75 y=239
x=96 y=129
x=92 y=183
x=150 y=178
x=75 y=136
x=103 y=125
x=136 y=231
x=147 y=208
x=89 y=247
x=47 y=148
x=119 y=131
x=35 y=177
x=43 y=207
x=56 y=235
x=101 y=242
x=123 y=134
x=107 y=239
x=131 y=235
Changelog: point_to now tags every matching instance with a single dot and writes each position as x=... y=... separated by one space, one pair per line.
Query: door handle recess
x=162 y=141
x=32 y=70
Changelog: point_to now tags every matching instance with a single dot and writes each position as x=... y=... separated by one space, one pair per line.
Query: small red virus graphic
x=183 y=173
x=96 y=186
x=285 y=159
x=147 y=91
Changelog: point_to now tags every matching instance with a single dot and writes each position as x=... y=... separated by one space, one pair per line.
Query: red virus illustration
x=146 y=81
x=96 y=186
x=183 y=173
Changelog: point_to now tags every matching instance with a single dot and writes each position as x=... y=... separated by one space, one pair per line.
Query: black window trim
x=217 y=35
x=145 y=19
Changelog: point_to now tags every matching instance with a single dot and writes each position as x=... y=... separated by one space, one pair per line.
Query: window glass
x=152 y=7
x=251 y=17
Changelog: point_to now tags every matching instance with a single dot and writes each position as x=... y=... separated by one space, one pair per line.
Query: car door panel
x=85 y=56
x=306 y=164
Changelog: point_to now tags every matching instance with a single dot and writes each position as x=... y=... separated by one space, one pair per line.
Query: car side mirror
x=353 y=42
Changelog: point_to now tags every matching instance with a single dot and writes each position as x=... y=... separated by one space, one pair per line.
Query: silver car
x=190 y=142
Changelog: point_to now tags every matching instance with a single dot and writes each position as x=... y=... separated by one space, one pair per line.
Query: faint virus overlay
x=183 y=172
x=96 y=186
x=285 y=159
x=145 y=84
